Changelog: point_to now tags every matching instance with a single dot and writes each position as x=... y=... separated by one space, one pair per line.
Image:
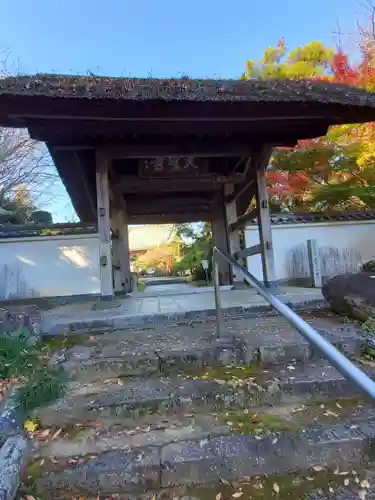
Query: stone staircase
x=173 y=412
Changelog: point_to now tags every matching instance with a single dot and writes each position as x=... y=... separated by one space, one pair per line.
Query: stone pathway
x=159 y=309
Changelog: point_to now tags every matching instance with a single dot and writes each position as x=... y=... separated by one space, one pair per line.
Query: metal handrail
x=348 y=369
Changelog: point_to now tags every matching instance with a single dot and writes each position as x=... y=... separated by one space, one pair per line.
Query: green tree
x=332 y=172
x=309 y=61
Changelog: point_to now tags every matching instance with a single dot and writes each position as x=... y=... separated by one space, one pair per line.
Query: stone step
x=213 y=460
x=266 y=340
x=214 y=390
x=81 y=439
x=82 y=320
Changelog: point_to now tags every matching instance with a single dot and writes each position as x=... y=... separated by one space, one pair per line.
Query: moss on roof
x=184 y=89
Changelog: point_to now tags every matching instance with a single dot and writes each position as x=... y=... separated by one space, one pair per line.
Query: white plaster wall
x=342 y=245
x=47 y=266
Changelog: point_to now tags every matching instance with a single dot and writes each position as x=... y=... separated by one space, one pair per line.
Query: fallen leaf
x=362 y=494
x=57 y=434
x=309 y=478
x=45 y=433
x=317 y=468
x=218 y=496
x=365 y=484
x=224 y=481
x=367 y=362
x=238 y=494
x=276 y=488
x=30 y=426
x=29 y=497
x=346 y=482
x=229 y=423
x=338 y=405
x=329 y=413
x=331 y=490
x=356 y=480
x=302 y=408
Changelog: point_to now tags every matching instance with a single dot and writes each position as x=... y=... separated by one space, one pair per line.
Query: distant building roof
x=149 y=236
x=310 y=217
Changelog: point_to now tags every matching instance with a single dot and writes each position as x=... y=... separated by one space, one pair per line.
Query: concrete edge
x=119 y=322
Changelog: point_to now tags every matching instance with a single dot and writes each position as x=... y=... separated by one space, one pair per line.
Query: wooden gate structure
x=144 y=151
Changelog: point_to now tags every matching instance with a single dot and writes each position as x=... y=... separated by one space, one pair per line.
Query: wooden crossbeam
x=248 y=252
x=243 y=219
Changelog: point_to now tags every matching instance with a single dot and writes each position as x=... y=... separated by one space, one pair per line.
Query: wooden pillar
x=234 y=235
x=265 y=231
x=220 y=239
x=120 y=250
x=105 y=258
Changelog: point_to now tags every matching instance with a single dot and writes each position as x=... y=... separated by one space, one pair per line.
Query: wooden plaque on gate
x=171 y=166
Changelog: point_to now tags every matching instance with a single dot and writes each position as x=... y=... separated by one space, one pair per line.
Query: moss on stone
x=248 y=422
x=226 y=372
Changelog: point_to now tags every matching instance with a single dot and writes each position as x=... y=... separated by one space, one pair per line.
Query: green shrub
x=39 y=384
x=16 y=356
x=41 y=388
x=369 y=267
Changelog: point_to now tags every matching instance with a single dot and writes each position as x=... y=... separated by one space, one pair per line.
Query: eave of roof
x=285 y=218
x=184 y=89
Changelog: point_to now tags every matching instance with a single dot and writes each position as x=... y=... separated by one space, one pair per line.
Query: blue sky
x=199 y=38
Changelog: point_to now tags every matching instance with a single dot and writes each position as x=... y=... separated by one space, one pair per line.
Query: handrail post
x=215 y=269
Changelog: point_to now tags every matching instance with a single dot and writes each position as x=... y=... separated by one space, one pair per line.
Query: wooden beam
x=243 y=219
x=168 y=204
x=169 y=218
x=67 y=127
x=234 y=236
x=248 y=252
x=258 y=160
x=220 y=238
x=265 y=231
x=176 y=148
x=120 y=248
x=105 y=258
x=132 y=184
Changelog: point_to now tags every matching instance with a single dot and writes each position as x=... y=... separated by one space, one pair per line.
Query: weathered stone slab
x=112 y=472
x=233 y=457
x=10 y=417
x=136 y=397
x=166 y=349
x=13 y=456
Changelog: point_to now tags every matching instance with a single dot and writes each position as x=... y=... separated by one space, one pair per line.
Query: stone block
x=111 y=472
x=189 y=463
x=13 y=455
